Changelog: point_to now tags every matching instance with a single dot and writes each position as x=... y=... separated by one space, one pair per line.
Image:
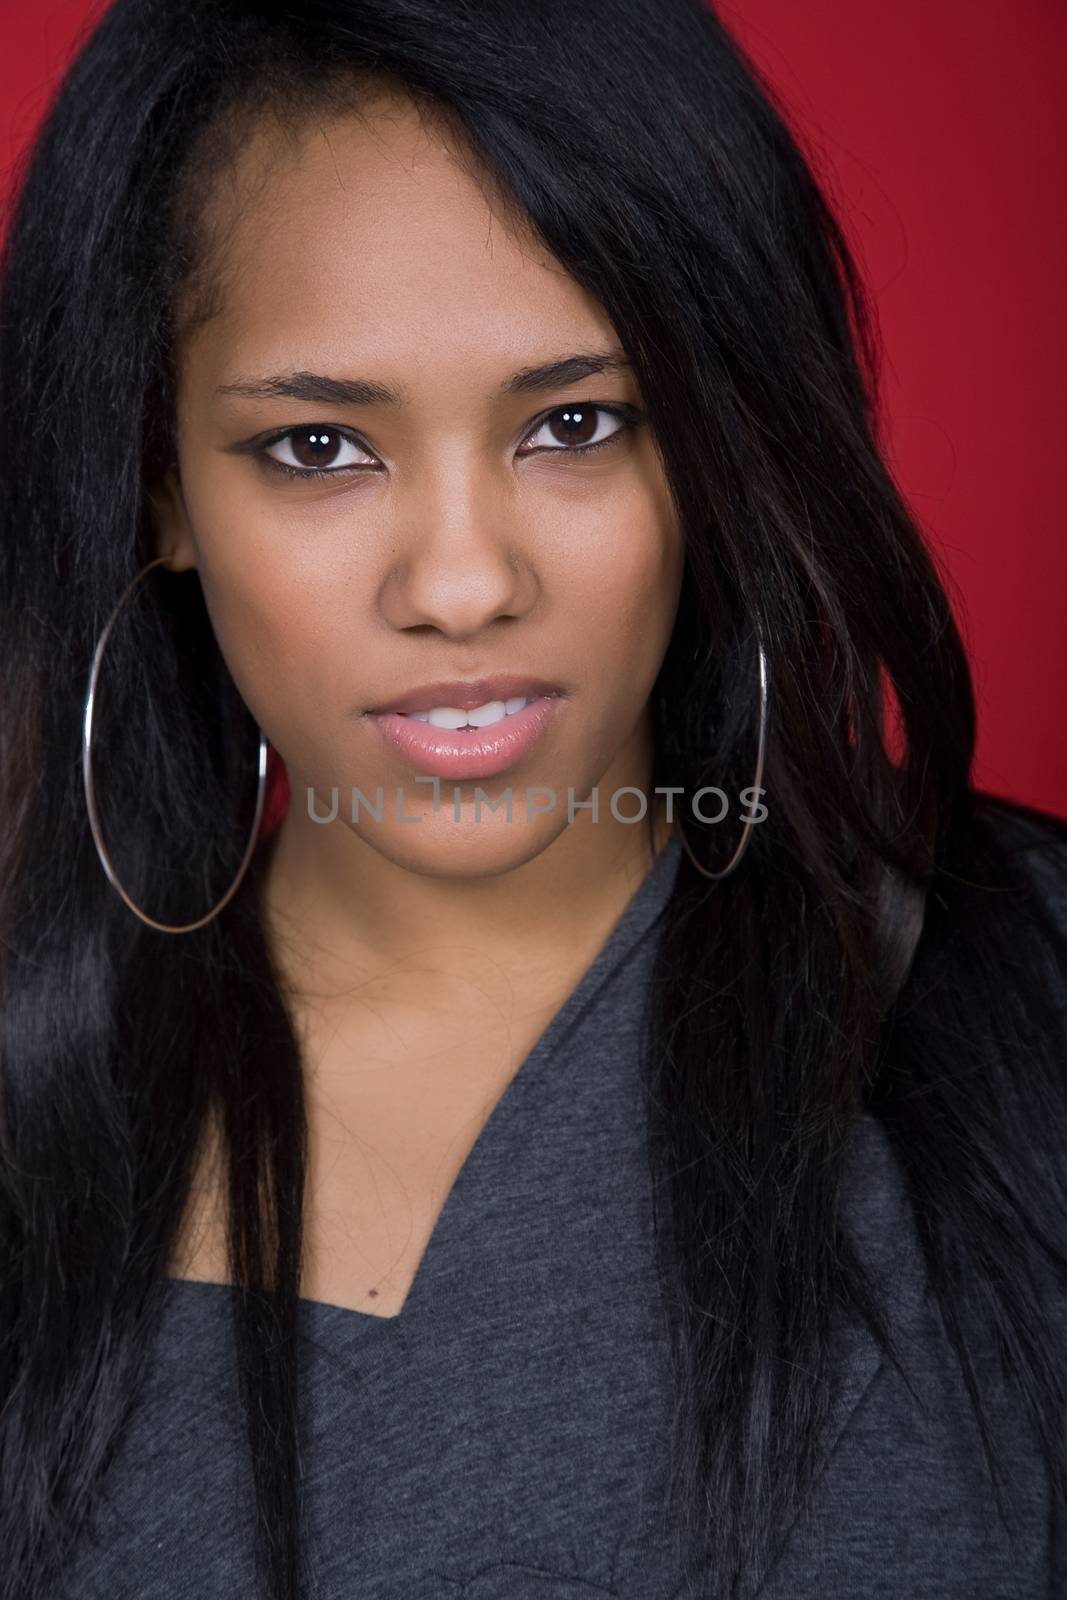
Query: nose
x=462 y=563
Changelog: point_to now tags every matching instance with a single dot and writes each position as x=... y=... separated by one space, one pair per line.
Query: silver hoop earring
x=732 y=864
x=90 y=797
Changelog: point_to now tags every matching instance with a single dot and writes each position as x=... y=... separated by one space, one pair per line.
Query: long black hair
x=854 y=964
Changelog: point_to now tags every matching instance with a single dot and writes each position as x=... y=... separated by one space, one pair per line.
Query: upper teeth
x=480 y=717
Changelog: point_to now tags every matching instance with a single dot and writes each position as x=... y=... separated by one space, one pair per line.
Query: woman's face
x=382 y=323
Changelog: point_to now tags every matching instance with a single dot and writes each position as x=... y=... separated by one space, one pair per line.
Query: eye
x=315 y=451
x=580 y=428
x=318 y=450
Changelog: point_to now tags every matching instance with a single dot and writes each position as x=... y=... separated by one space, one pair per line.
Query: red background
x=939 y=134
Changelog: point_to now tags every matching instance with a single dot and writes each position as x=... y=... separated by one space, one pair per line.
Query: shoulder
x=998 y=902
x=1016 y=831
x=977 y=1081
x=973 y=1075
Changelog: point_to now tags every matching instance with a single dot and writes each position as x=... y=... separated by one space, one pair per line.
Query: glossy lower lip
x=467 y=752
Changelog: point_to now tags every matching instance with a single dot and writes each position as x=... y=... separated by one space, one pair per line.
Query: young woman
x=607 y=1138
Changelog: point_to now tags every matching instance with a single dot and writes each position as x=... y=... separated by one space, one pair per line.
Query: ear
x=170 y=520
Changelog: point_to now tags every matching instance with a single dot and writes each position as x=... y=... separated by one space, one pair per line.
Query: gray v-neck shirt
x=505 y=1436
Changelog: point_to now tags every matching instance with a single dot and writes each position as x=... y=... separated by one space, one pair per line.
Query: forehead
x=374 y=231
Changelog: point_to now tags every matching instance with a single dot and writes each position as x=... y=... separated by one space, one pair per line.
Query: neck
x=341 y=912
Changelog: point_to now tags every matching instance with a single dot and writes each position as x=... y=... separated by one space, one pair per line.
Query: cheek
x=281 y=609
x=626 y=594
x=274 y=635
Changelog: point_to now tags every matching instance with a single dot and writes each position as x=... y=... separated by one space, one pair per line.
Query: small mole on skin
x=373 y=1294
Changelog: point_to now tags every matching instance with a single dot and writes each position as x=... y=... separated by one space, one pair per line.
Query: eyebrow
x=321 y=390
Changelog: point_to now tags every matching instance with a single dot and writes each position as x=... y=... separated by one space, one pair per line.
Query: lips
x=468 y=753
x=466 y=694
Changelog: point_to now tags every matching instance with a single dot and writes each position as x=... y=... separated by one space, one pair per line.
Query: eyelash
x=629 y=416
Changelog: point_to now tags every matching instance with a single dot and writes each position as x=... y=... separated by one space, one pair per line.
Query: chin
x=440 y=847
